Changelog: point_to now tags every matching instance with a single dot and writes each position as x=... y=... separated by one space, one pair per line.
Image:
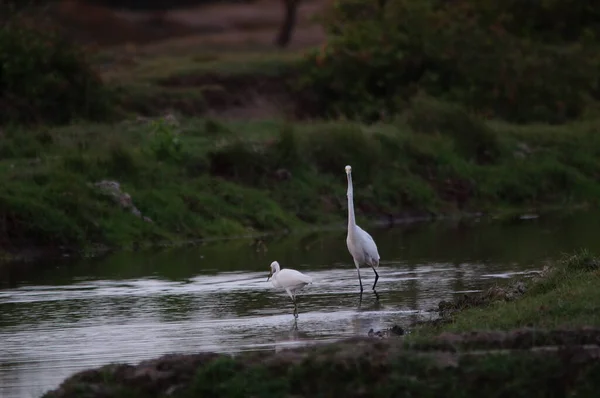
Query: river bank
x=141 y=182
x=515 y=346
x=374 y=368
x=563 y=295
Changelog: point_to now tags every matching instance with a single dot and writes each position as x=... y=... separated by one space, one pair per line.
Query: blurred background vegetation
x=219 y=122
x=517 y=61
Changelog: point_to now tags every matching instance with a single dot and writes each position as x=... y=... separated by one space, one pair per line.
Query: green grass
x=153 y=68
x=566 y=297
x=153 y=83
x=198 y=177
x=518 y=375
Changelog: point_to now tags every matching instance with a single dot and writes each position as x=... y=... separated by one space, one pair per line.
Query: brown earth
x=244 y=25
x=243 y=97
x=126 y=39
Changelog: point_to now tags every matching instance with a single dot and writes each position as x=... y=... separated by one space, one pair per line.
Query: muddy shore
x=477 y=357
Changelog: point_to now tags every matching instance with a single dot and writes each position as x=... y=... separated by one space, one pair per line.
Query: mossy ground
x=564 y=296
x=354 y=368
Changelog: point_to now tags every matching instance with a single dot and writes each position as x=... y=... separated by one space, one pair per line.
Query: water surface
x=59 y=317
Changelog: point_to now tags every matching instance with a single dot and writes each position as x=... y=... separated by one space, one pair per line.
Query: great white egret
x=360 y=244
x=290 y=280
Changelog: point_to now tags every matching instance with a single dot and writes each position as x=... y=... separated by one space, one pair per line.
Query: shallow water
x=61 y=317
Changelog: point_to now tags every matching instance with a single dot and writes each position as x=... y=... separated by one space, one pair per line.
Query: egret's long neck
x=350 y=195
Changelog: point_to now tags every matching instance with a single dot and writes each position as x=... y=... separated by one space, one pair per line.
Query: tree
x=289 y=21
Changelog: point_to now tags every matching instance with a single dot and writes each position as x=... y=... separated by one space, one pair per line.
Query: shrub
x=43 y=76
x=548 y=21
x=467 y=51
x=474 y=140
x=165 y=143
x=335 y=145
x=286 y=149
x=239 y=160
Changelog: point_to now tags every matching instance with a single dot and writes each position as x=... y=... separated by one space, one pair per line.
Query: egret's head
x=274 y=268
x=348 y=169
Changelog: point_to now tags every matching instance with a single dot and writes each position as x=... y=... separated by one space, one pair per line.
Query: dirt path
x=254 y=24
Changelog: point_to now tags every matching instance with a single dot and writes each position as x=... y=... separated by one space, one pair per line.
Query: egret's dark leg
x=376 y=277
x=359 y=280
x=295 y=309
x=376 y=294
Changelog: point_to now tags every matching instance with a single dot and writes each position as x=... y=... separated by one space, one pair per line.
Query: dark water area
x=59 y=317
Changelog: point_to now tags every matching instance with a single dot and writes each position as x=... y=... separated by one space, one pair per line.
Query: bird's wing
x=291 y=277
x=368 y=244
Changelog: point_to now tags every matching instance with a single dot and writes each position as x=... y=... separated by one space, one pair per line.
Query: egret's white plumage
x=288 y=279
x=360 y=244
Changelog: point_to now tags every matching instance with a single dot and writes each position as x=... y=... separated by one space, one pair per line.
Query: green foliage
x=225 y=377
x=478 y=53
x=473 y=138
x=44 y=78
x=333 y=146
x=45 y=203
x=240 y=160
x=286 y=149
x=582 y=260
x=164 y=142
x=569 y=267
x=547 y=21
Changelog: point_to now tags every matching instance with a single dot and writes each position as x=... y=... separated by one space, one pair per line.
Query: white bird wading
x=360 y=244
x=290 y=280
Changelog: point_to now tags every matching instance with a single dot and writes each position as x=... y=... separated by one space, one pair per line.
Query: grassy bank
x=565 y=295
x=194 y=178
x=355 y=368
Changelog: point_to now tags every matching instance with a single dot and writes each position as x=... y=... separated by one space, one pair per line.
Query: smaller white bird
x=290 y=280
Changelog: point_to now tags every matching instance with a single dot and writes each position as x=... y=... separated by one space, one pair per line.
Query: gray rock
x=123 y=199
